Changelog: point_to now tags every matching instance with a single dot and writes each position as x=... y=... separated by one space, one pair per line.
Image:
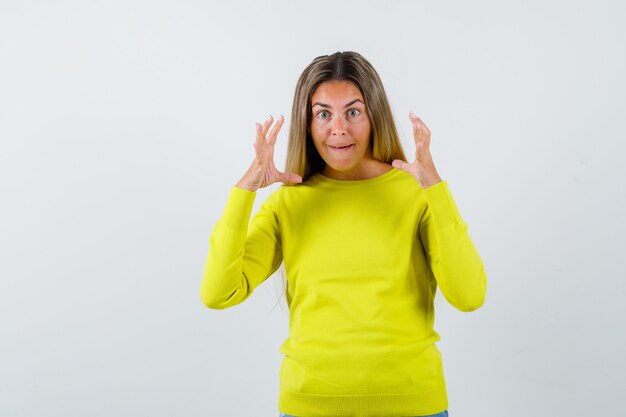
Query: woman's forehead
x=337 y=92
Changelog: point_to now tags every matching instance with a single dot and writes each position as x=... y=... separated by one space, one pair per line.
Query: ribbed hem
x=368 y=405
x=444 y=209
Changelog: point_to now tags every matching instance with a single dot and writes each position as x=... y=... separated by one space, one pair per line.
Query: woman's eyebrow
x=328 y=106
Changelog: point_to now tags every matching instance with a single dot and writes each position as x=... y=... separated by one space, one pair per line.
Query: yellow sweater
x=363 y=261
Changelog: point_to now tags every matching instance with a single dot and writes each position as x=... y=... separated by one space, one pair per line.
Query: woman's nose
x=338 y=126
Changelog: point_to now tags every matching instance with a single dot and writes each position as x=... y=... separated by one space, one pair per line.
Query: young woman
x=366 y=239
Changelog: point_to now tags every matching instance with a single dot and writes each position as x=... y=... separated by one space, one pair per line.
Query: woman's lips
x=341 y=148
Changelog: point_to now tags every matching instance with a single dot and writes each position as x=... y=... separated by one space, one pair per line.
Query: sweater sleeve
x=452 y=256
x=242 y=252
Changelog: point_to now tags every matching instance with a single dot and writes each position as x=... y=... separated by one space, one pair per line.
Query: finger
x=259 y=135
x=417 y=132
x=400 y=164
x=419 y=122
x=260 y=141
x=415 y=121
x=267 y=124
x=271 y=139
x=421 y=132
x=293 y=178
x=425 y=133
x=419 y=150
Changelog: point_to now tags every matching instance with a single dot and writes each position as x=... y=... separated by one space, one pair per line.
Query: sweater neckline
x=349 y=183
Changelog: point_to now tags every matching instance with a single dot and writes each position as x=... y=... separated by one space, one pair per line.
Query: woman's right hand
x=263 y=172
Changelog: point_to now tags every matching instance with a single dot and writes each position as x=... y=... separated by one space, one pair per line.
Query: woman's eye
x=323 y=114
x=353 y=112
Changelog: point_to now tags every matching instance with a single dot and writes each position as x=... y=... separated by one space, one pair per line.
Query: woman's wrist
x=243 y=185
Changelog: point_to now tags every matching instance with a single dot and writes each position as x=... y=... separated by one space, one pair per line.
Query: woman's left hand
x=423 y=168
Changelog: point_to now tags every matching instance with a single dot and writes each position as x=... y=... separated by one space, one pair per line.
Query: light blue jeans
x=442 y=414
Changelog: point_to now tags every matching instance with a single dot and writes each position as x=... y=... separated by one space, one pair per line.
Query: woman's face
x=341 y=128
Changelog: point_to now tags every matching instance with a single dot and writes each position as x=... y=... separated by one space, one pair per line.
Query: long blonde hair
x=302 y=157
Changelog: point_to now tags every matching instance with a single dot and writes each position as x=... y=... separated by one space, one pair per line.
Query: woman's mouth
x=341 y=148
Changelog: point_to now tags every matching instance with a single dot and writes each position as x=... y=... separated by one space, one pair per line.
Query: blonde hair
x=302 y=157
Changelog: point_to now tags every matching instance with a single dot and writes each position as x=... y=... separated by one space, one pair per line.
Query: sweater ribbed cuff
x=238 y=208
x=442 y=204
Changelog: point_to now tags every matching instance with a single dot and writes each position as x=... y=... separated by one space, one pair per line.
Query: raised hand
x=423 y=168
x=263 y=172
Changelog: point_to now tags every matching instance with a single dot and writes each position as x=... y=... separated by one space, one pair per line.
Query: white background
x=124 y=124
